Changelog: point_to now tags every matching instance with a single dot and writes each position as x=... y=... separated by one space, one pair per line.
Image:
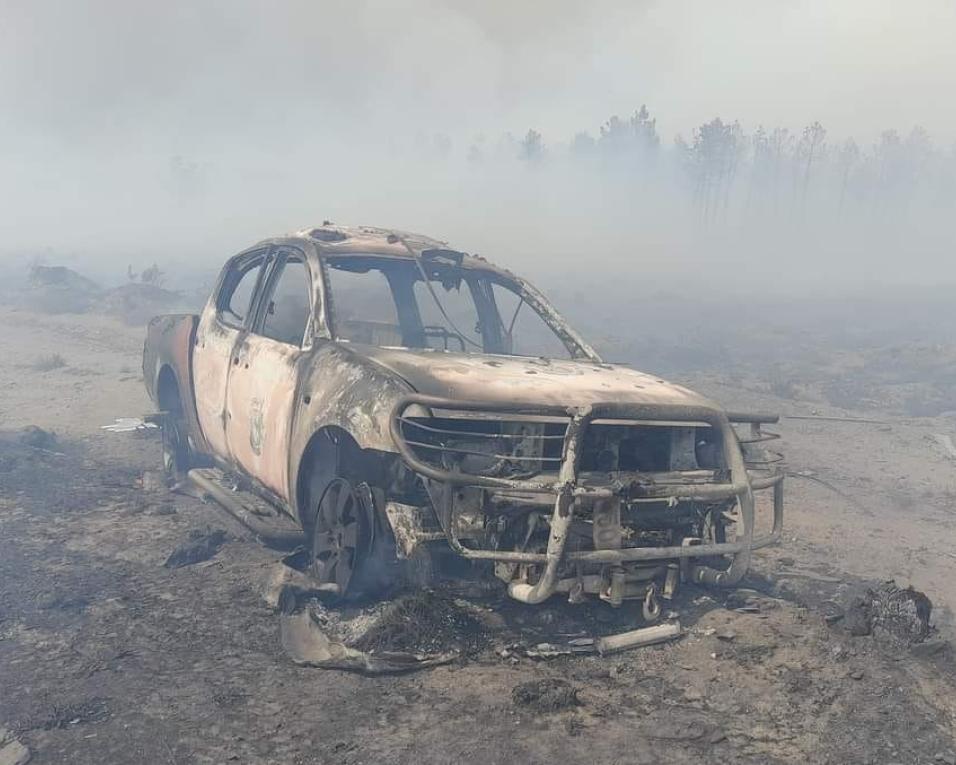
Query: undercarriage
x=614 y=501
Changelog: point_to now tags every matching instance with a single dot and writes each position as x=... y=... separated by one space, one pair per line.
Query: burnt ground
x=106 y=655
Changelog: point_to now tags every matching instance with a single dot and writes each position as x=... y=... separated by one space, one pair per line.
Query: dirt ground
x=106 y=656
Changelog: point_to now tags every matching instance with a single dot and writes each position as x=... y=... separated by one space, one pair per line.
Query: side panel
x=169 y=343
x=261 y=392
x=212 y=358
x=168 y=339
x=259 y=403
x=341 y=389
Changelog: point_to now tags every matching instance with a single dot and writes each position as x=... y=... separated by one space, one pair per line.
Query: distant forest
x=728 y=175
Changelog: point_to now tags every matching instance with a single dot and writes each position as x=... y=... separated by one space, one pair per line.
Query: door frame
x=280 y=251
x=213 y=320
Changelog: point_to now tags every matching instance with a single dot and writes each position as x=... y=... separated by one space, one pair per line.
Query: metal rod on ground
x=638 y=638
x=828 y=418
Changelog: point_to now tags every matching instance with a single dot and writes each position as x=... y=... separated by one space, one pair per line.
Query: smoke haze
x=182 y=132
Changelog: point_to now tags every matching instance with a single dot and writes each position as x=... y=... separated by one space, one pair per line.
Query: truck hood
x=520 y=380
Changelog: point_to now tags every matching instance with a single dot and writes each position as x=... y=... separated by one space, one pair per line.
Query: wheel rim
x=338 y=535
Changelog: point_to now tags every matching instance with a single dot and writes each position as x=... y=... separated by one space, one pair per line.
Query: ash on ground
x=548 y=695
x=425 y=622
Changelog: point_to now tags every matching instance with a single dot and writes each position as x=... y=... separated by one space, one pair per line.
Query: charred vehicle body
x=392 y=396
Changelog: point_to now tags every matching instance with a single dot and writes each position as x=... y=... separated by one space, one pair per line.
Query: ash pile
x=419 y=629
x=896 y=615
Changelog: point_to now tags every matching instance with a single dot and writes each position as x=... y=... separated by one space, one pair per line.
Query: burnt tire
x=177 y=455
x=348 y=545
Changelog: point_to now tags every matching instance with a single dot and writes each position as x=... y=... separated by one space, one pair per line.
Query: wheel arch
x=167 y=369
x=319 y=463
x=169 y=396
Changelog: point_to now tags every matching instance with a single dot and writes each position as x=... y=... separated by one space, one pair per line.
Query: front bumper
x=570 y=490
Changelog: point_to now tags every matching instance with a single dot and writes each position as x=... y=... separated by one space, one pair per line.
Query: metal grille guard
x=566 y=489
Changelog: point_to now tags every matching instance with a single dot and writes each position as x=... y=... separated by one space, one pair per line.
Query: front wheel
x=349 y=549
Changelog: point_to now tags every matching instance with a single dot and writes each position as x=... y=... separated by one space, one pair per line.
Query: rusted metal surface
x=169 y=343
x=573 y=475
x=211 y=364
x=259 y=409
x=638 y=638
x=532 y=381
x=408 y=527
x=562 y=516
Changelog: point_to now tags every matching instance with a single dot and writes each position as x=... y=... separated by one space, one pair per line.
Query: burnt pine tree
x=848 y=157
x=760 y=167
x=780 y=145
x=634 y=139
x=713 y=158
x=811 y=148
x=531 y=147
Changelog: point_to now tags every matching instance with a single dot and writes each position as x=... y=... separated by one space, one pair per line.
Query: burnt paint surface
x=211 y=365
x=260 y=401
x=259 y=407
x=169 y=341
x=349 y=391
x=344 y=390
x=513 y=379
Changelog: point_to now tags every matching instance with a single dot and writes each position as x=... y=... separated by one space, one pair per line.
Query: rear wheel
x=177 y=456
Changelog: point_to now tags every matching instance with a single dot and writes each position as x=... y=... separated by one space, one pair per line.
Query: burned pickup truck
x=392 y=398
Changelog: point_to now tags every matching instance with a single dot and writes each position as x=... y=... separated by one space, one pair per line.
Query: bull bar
x=567 y=490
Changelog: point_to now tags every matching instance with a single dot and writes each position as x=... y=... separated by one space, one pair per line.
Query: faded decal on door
x=256 y=426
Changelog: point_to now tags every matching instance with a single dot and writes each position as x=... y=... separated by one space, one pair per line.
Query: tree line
x=727 y=174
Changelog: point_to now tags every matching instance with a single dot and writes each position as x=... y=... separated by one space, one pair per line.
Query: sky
x=158 y=75
x=132 y=126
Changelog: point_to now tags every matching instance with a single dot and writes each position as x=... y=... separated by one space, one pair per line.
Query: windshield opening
x=388 y=302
